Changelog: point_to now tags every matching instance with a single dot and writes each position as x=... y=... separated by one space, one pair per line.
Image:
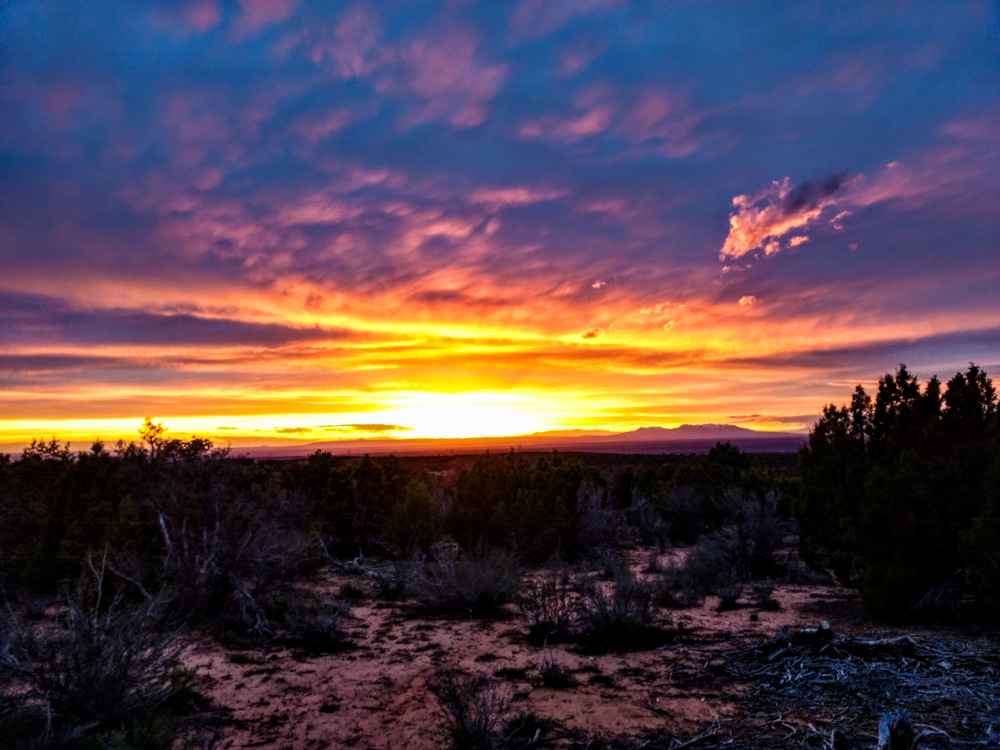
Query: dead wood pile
x=950 y=687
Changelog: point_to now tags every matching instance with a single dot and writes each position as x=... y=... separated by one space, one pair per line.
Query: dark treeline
x=189 y=516
x=901 y=495
x=898 y=494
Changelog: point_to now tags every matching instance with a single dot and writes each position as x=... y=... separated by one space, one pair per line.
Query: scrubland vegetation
x=110 y=558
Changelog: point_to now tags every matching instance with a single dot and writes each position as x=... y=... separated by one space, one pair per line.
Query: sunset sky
x=264 y=220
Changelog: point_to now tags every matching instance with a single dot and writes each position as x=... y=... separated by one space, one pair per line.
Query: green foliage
x=412 y=524
x=350 y=503
x=532 y=504
x=899 y=491
x=891 y=590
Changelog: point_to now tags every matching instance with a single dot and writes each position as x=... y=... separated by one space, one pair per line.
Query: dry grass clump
x=308 y=621
x=479 y=713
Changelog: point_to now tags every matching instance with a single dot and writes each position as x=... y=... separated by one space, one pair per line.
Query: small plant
x=547 y=606
x=762 y=595
x=607 y=561
x=479 y=713
x=553 y=674
x=396 y=581
x=309 y=622
x=619 y=621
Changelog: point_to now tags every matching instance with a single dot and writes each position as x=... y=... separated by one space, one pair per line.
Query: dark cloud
x=37 y=363
x=33 y=319
x=367 y=427
x=941 y=354
x=808 y=195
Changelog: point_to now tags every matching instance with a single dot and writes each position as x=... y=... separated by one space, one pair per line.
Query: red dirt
x=376 y=695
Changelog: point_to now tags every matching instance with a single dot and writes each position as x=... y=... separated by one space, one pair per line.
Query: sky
x=267 y=220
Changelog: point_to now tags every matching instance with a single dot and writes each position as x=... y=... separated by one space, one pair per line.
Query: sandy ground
x=376 y=695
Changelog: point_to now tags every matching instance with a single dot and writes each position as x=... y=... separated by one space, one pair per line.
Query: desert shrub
x=721 y=563
x=685 y=514
x=474 y=584
x=547 y=605
x=621 y=620
x=351 y=592
x=307 y=621
x=226 y=542
x=554 y=675
x=606 y=560
x=398 y=578
x=644 y=523
x=103 y=673
x=479 y=713
x=761 y=594
x=598 y=523
x=704 y=572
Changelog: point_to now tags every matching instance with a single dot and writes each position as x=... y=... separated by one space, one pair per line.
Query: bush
x=103 y=670
x=643 y=521
x=619 y=621
x=685 y=514
x=723 y=562
x=223 y=554
x=606 y=560
x=398 y=579
x=351 y=592
x=479 y=713
x=308 y=621
x=477 y=585
x=547 y=606
x=891 y=591
x=553 y=674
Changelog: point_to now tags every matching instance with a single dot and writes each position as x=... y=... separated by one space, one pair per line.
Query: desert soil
x=375 y=694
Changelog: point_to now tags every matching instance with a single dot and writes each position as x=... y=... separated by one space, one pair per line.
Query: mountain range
x=687 y=438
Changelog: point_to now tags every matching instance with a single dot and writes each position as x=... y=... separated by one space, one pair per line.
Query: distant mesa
x=571 y=433
x=694 y=432
x=688 y=438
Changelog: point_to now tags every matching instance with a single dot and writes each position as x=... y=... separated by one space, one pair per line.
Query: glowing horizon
x=307 y=222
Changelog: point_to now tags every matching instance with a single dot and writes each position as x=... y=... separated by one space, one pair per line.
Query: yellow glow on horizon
x=465 y=415
x=463 y=375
